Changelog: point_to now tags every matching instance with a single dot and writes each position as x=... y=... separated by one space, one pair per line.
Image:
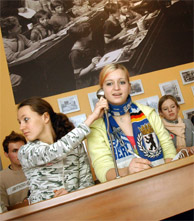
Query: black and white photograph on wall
x=93 y=100
x=150 y=101
x=187 y=76
x=68 y=104
x=78 y=119
x=188 y=114
x=55 y=52
x=172 y=88
x=136 y=87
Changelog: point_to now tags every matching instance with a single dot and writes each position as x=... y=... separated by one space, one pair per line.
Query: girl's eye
x=26 y=119
x=109 y=83
x=122 y=82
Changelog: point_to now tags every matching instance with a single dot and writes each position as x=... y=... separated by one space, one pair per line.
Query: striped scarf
x=147 y=143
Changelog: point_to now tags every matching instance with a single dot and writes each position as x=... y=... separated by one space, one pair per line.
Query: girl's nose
x=21 y=126
x=116 y=86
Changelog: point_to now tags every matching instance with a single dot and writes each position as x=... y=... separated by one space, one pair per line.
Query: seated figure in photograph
x=139 y=138
x=112 y=28
x=181 y=130
x=13 y=184
x=43 y=30
x=84 y=56
x=16 y=45
x=54 y=160
x=59 y=18
x=127 y=15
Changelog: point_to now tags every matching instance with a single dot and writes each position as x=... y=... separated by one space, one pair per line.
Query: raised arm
x=39 y=153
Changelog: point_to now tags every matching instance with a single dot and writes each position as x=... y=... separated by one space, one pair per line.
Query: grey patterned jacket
x=63 y=164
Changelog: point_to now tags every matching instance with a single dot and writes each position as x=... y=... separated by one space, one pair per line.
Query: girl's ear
x=6 y=154
x=46 y=117
x=160 y=113
x=129 y=87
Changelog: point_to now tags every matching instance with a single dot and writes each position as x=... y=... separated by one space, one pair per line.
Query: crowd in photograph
x=26 y=25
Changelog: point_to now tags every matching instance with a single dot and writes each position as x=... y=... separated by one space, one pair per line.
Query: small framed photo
x=76 y=120
x=192 y=88
x=187 y=76
x=93 y=100
x=188 y=113
x=150 y=101
x=68 y=104
x=136 y=88
x=172 y=88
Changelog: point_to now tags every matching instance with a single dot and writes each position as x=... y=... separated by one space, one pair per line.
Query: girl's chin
x=172 y=119
x=116 y=104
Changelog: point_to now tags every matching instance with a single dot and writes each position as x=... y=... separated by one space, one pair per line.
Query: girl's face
x=44 y=20
x=59 y=9
x=16 y=30
x=124 y=10
x=117 y=87
x=169 y=110
x=116 y=15
x=32 y=125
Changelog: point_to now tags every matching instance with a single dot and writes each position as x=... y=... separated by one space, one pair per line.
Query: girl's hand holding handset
x=98 y=112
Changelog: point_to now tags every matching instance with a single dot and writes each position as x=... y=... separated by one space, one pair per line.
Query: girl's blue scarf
x=147 y=143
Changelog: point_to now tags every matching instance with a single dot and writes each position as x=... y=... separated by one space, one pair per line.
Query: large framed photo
x=188 y=113
x=136 y=87
x=150 y=101
x=50 y=68
x=93 y=100
x=187 y=76
x=76 y=120
x=172 y=88
x=68 y=104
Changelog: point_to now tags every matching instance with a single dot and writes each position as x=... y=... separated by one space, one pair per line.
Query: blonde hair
x=109 y=69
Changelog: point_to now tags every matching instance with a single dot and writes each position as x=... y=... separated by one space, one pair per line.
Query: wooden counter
x=154 y=194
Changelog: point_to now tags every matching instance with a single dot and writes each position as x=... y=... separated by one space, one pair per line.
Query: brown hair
x=39 y=14
x=164 y=98
x=13 y=137
x=7 y=24
x=111 y=8
x=60 y=122
x=109 y=69
x=56 y=3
